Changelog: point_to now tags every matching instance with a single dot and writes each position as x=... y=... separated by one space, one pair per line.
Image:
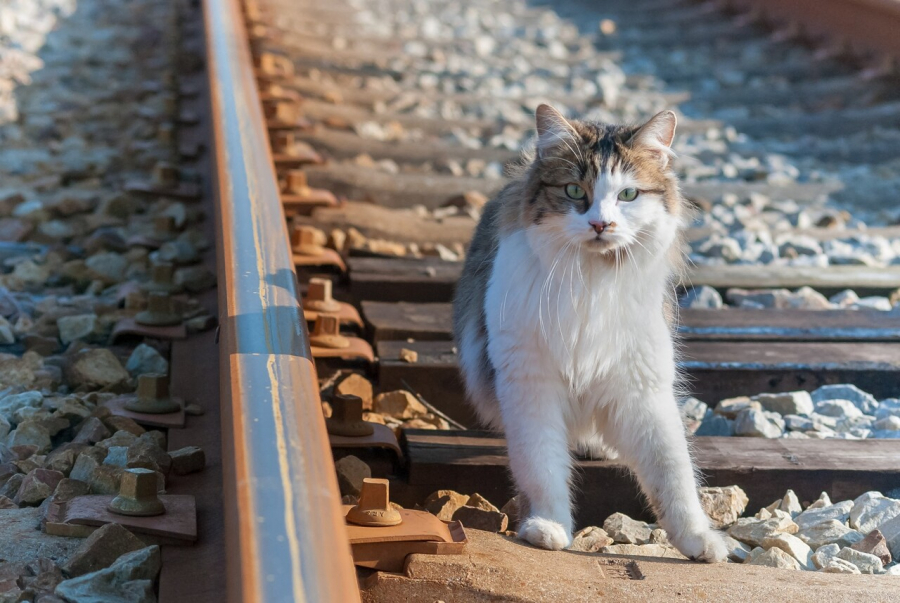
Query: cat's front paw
x=544 y=533
x=708 y=546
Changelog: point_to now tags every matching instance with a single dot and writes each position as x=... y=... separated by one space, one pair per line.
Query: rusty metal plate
x=129 y=326
x=296 y=159
x=386 y=548
x=306 y=202
x=358 y=349
x=347 y=315
x=329 y=257
x=382 y=437
x=167 y=420
x=179 y=523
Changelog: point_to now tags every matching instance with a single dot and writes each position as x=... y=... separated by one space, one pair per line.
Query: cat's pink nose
x=599 y=226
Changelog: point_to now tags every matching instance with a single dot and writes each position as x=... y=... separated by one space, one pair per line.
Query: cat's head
x=603 y=187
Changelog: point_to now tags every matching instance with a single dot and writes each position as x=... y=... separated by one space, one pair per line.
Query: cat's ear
x=657 y=135
x=552 y=127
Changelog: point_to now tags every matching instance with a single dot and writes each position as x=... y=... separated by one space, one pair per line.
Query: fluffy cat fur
x=563 y=319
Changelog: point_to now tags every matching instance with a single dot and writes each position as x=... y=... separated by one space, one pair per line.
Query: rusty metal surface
x=869 y=25
x=285 y=538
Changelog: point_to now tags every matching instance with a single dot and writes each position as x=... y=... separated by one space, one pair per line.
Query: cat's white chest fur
x=597 y=327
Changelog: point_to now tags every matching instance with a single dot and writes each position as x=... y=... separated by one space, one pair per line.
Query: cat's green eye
x=574 y=191
x=628 y=194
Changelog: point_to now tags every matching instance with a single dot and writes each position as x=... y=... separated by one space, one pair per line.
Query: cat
x=563 y=320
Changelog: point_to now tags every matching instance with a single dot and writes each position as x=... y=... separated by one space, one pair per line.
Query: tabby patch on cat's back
x=563 y=321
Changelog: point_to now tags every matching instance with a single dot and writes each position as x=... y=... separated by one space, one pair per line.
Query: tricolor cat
x=564 y=323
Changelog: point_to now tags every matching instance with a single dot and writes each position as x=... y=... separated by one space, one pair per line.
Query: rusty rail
x=869 y=25
x=285 y=535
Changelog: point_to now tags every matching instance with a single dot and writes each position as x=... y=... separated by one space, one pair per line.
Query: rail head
x=285 y=535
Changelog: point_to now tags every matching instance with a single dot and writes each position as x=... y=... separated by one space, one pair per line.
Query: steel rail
x=872 y=25
x=285 y=536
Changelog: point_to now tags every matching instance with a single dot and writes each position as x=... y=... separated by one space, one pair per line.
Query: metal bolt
x=137 y=494
x=283 y=111
x=346 y=417
x=295 y=183
x=159 y=312
x=283 y=143
x=304 y=240
x=319 y=298
x=162 y=278
x=326 y=333
x=374 y=507
x=165 y=174
x=152 y=396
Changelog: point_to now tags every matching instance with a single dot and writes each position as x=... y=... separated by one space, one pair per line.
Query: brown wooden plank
x=714 y=370
x=473 y=461
x=433 y=322
x=421 y=280
x=412 y=279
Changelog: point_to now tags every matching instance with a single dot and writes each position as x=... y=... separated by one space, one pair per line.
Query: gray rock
x=30 y=433
x=481 y=519
x=790 y=504
x=351 y=472
x=128 y=580
x=715 y=425
x=835 y=565
x=643 y=550
x=730 y=407
x=108 y=267
x=759 y=424
x=807 y=298
x=37 y=485
x=625 y=530
x=703 y=296
x=96 y=369
x=9 y=405
x=793 y=546
x=590 y=540
x=874 y=544
x=844 y=298
x=872 y=303
x=891 y=531
x=866 y=563
x=81 y=326
x=824 y=554
x=867 y=515
x=5 y=428
x=889 y=423
x=737 y=550
x=841 y=409
x=101 y=549
x=790 y=403
x=774 y=557
x=188 y=460
x=865 y=402
x=839 y=511
x=693 y=409
x=888 y=408
x=723 y=505
x=828 y=532
x=146 y=360
x=755 y=531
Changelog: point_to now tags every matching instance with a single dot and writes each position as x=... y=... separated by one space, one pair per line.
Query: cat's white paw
x=708 y=546
x=544 y=533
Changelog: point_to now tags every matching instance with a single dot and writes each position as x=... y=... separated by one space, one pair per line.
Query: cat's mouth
x=601 y=244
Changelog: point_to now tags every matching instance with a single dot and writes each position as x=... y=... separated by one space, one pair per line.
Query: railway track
x=339 y=155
